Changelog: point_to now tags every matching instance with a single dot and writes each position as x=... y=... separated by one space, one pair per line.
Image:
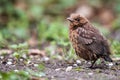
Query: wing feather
x=90 y=41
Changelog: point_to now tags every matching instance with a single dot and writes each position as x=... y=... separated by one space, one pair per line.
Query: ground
x=59 y=69
x=58 y=72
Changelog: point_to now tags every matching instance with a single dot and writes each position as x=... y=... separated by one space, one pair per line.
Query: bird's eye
x=77 y=19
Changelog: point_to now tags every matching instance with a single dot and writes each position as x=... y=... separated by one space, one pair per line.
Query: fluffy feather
x=87 y=41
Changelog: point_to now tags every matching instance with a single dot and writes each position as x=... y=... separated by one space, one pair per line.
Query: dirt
x=57 y=70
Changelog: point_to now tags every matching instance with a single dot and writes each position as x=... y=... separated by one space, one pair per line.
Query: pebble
x=110 y=65
x=1 y=57
x=52 y=77
x=21 y=60
x=16 y=70
x=9 y=63
x=46 y=59
x=69 y=68
x=78 y=62
x=90 y=73
x=36 y=65
x=58 y=69
x=75 y=65
x=59 y=57
x=28 y=62
x=24 y=56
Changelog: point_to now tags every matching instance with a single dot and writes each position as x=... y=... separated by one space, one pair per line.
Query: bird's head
x=77 y=20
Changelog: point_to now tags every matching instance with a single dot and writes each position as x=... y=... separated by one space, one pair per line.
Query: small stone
x=9 y=63
x=1 y=57
x=78 y=61
x=88 y=63
x=75 y=65
x=110 y=65
x=69 y=68
x=58 y=69
x=21 y=60
x=59 y=57
x=46 y=59
x=90 y=73
x=52 y=77
x=28 y=62
x=36 y=65
x=16 y=70
x=24 y=56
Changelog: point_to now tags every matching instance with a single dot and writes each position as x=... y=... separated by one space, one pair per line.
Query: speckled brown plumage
x=87 y=41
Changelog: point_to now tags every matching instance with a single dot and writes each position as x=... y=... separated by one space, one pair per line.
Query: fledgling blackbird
x=87 y=41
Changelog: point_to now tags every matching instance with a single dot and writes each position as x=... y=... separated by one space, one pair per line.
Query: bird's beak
x=71 y=20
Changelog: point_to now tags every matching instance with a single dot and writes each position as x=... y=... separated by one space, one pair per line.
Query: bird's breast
x=75 y=42
x=79 y=48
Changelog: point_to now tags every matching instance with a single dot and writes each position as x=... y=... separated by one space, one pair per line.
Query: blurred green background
x=43 y=22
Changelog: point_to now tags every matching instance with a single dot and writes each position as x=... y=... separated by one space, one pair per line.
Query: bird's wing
x=86 y=37
x=89 y=39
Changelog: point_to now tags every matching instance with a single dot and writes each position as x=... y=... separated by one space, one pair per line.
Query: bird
x=87 y=41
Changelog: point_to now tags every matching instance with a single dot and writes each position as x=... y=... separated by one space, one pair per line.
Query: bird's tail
x=107 y=58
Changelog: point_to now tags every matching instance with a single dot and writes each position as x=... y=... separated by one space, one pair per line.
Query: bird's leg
x=93 y=63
